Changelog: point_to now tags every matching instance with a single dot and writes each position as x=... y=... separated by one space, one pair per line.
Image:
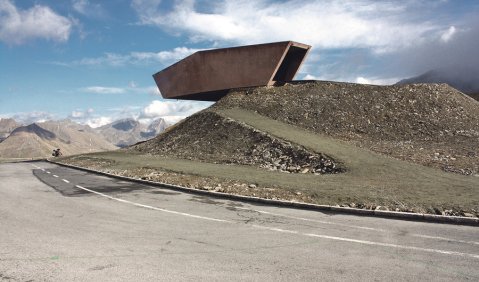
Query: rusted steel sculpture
x=209 y=75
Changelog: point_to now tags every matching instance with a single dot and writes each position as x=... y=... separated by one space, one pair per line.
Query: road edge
x=460 y=220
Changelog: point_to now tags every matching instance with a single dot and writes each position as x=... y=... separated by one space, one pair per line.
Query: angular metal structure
x=209 y=75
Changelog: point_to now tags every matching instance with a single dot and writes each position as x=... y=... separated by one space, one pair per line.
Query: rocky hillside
x=126 y=132
x=39 y=139
x=208 y=136
x=7 y=125
x=429 y=124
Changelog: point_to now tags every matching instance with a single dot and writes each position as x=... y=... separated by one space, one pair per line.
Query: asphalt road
x=59 y=224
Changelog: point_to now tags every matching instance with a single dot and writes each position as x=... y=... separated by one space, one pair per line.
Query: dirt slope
x=428 y=124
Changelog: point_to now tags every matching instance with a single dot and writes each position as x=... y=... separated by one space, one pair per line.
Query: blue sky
x=92 y=61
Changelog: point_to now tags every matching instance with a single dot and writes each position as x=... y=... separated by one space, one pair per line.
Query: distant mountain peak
x=35 y=129
x=463 y=79
x=125 y=132
x=125 y=124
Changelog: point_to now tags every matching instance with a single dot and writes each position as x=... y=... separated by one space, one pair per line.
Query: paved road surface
x=59 y=224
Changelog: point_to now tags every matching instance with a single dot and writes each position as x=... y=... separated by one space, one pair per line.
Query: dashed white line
x=66 y=181
x=43 y=169
x=55 y=175
x=48 y=172
x=275 y=229
x=151 y=207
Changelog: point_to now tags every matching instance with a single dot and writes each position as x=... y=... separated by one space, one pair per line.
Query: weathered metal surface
x=208 y=75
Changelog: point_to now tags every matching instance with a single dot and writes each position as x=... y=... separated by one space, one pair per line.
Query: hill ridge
x=428 y=124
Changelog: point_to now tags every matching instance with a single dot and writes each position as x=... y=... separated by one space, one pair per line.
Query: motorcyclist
x=56 y=153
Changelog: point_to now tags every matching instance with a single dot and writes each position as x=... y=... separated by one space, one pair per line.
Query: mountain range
x=38 y=140
x=125 y=132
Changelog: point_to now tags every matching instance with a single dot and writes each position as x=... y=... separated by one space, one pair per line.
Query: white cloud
x=383 y=26
x=18 y=26
x=132 y=88
x=134 y=58
x=358 y=79
x=98 y=121
x=104 y=90
x=79 y=114
x=31 y=117
x=80 y=6
x=88 y=9
x=153 y=90
x=311 y=77
x=163 y=56
x=164 y=108
x=132 y=84
x=172 y=111
x=376 y=81
x=448 y=34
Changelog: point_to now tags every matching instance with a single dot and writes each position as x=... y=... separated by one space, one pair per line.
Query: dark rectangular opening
x=290 y=64
x=212 y=96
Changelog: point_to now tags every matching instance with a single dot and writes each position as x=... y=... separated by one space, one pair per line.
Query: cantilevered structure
x=209 y=75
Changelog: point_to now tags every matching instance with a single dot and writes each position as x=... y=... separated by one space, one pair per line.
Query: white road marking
x=48 y=172
x=393 y=245
x=360 y=227
x=153 y=208
x=276 y=229
x=297 y=232
x=444 y=239
x=43 y=170
x=55 y=175
x=313 y=220
x=368 y=242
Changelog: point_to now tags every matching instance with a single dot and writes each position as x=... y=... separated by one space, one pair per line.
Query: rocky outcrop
x=210 y=137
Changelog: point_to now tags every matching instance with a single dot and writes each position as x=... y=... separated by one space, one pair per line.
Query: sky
x=92 y=61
